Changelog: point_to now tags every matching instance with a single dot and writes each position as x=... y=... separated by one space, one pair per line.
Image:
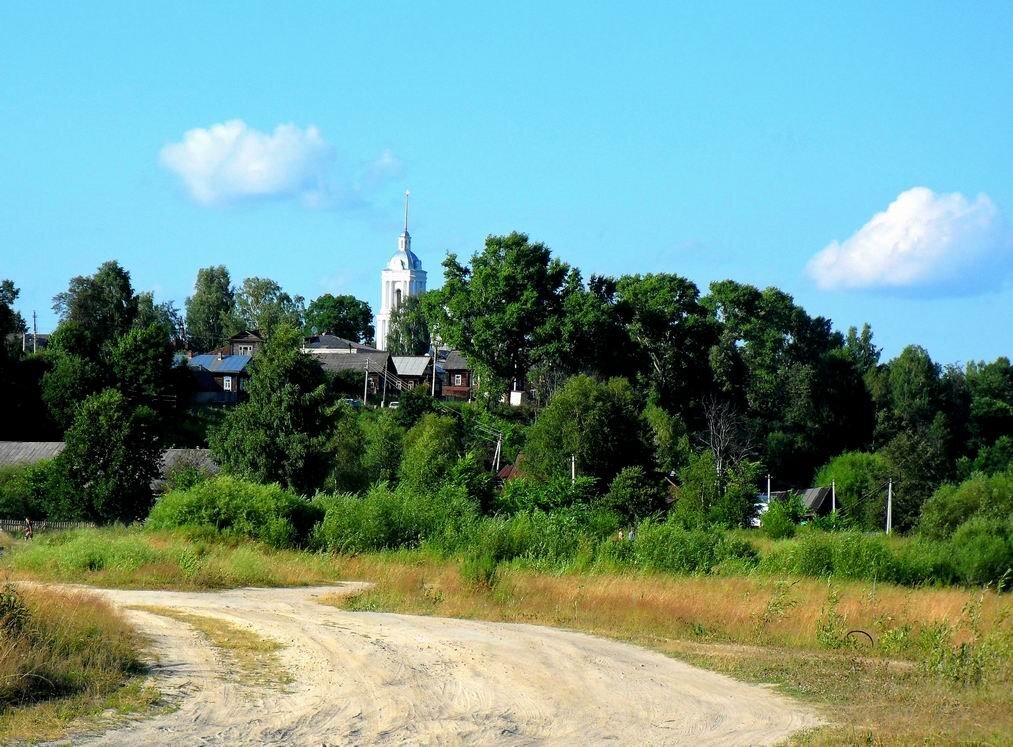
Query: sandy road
x=370 y=678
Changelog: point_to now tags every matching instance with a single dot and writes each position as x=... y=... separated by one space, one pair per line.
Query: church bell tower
x=402 y=278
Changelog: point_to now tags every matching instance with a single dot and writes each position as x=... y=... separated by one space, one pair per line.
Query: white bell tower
x=402 y=278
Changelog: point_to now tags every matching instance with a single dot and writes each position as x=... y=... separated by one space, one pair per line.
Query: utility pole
x=889 y=505
x=573 y=468
x=35 y=333
x=833 y=495
x=365 y=384
x=497 y=455
x=768 y=489
x=433 y=392
x=383 y=400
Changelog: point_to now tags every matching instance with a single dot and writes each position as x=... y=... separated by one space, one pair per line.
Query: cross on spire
x=406 y=193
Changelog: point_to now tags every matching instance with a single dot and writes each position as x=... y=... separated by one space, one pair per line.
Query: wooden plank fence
x=17 y=526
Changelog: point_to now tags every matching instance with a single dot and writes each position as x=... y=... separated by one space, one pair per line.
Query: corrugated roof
x=410 y=365
x=28 y=452
x=353 y=361
x=814 y=498
x=227 y=364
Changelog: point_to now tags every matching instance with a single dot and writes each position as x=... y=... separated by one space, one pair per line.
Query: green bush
x=39 y=491
x=782 y=517
x=982 y=551
x=676 y=549
x=232 y=506
x=525 y=494
x=386 y=519
x=952 y=505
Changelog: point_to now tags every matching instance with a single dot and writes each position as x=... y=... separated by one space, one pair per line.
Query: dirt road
x=370 y=678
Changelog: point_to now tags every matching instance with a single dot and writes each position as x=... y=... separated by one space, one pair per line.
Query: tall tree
x=503 y=308
x=596 y=422
x=11 y=321
x=672 y=335
x=280 y=433
x=263 y=305
x=103 y=304
x=211 y=311
x=165 y=315
x=344 y=316
x=409 y=329
x=111 y=457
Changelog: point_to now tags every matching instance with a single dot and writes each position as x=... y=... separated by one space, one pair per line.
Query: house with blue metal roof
x=220 y=379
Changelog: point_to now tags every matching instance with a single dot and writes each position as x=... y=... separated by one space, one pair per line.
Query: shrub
x=232 y=506
x=632 y=495
x=430 y=451
x=859 y=477
x=952 y=505
x=386 y=519
x=982 y=551
x=671 y=547
x=781 y=518
x=40 y=491
x=525 y=494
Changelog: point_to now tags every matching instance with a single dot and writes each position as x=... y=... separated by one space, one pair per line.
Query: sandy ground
x=370 y=678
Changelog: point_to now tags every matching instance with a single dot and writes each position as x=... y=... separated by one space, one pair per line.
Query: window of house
x=245 y=349
x=227 y=383
x=458 y=379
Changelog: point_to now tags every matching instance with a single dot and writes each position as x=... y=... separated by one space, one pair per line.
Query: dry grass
x=253 y=657
x=759 y=630
x=64 y=657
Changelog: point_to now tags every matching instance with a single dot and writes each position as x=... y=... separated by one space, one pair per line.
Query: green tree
x=861 y=349
x=597 y=422
x=142 y=364
x=409 y=330
x=431 y=449
x=111 y=457
x=384 y=442
x=166 y=316
x=211 y=316
x=344 y=316
x=914 y=387
x=859 y=479
x=345 y=450
x=263 y=305
x=989 y=497
x=633 y=495
x=70 y=380
x=103 y=303
x=708 y=496
x=280 y=433
x=503 y=308
x=11 y=321
x=672 y=335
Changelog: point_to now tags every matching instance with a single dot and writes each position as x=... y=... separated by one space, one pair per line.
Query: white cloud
x=231 y=162
x=922 y=241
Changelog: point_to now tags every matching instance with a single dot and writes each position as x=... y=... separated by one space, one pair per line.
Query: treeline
x=688 y=397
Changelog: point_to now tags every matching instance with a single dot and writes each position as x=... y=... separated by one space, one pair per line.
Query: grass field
x=927 y=665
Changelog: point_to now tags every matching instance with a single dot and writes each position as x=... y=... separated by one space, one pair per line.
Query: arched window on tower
x=397 y=298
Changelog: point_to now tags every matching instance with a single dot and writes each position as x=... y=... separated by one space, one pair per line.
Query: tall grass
x=55 y=644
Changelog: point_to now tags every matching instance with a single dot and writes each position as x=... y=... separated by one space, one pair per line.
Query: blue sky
x=715 y=140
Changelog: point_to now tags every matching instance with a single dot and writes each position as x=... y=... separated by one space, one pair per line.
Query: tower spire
x=406 y=193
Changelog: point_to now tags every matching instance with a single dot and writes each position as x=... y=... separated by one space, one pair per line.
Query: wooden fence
x=17 y=526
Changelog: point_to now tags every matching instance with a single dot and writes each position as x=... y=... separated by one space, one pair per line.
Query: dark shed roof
x=353 y=362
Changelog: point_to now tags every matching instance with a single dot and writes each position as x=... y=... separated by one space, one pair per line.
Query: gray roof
x=456 y=362
x=324 y=343
x=28 y=452
x=410 y=365
x=358 y=362
x=814 y=498
x=200 y=458
x=227 y=364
